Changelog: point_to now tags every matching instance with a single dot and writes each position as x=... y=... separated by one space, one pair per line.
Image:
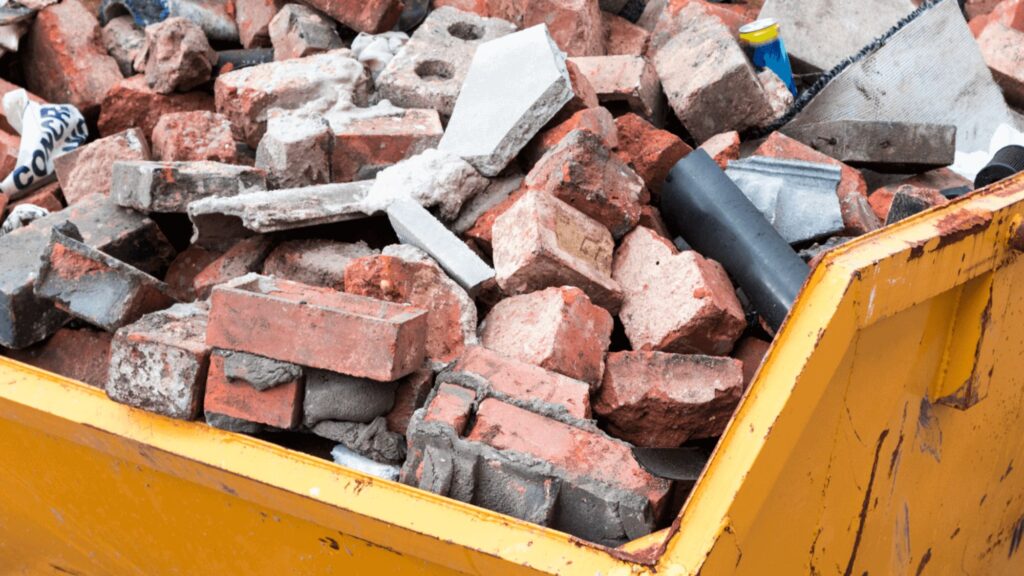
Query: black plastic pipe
x=704 y=206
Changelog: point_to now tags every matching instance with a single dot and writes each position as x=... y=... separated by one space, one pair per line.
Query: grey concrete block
x=514 y=86
x=895 y=147
x=260 y=372
x=429 y=70
x=798 y=198
x=339 y=397
x=150 y=186
x=415 y=225
x=220 y=220
x=372 y=440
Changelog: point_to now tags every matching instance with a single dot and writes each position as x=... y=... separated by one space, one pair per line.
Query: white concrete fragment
x=432 y=178
x=295 y=151
x=346 y=457
x=515 y=85
x=376 y=50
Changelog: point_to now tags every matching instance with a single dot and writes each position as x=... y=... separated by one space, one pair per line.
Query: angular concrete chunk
x=171 y=186
x=798 y=198
x=415 y=225
x=515 y=85
x=219 y=219
x=899 y=147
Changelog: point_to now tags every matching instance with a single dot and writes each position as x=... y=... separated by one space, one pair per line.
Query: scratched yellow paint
x=846 y=456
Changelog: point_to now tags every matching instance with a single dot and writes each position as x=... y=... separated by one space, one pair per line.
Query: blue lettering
x=18 y=173
x=38 y=163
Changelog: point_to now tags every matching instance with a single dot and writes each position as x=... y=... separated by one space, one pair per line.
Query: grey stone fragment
x=900 y=147
x=428 y=72
x=258 y=371
x=334 y=396
x=149 y=186
x=415 y=225
x=372 y=440
x=232 y=424
x=127 y=235
x=612 y=6
x=798 y=198
x=315 y=261
x=819 y=248
x=218 y=219
x=904 y=206
x=95 y=287
x=514 y=86
x=888 y=84
x=295 y=151
x=123 y=40
x=850 y=26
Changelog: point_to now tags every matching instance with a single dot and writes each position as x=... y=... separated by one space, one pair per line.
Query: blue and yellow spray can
x=764 y=45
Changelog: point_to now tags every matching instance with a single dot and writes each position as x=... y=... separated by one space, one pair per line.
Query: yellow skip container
x=883 y=435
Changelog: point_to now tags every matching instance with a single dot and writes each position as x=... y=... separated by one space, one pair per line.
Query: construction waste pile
x=526 y=254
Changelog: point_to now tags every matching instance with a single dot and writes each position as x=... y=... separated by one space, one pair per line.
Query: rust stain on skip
x=961 y=224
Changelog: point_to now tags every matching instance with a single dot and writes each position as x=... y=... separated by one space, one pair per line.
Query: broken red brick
x=628 y=80
x=194 y=135
x=852 y=189
x=650 y=217
x=48 y=196
x=410 y=396
x=649 y=151
x=317 y=327
x=751 y=351
x=318 y=262
x=542 y=242
x=723 y=147
x=451 y=405
x=583 y=173
x=583 y=94
x=575 y=25
x=363 y=146
x=87 y=169
x=675 y=301
x=451 y=314
x=481 y=368
x=660 y=400
x=622 y=37
x=881 y=199
x=80 y=354
x=181 y=274
x=279 y=405
x=577 y=452
x=370 y=16
x=598 y=121
x=253 y=19
x=481 y=233
x=176 y=56
x=557 y=328
x=9 y=144
x=1003 y=50
x=132 y=103
x=64 y=59
x=245 y=256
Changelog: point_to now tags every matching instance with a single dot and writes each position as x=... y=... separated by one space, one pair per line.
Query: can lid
x=760 y=31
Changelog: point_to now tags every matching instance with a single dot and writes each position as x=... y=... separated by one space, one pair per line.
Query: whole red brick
x=370 y=16
x=598 y=121
x=80 y=354
x=479 y=367
x=723 y=147
x=582 y=172
x=279 y=406
x=451 y=405
x=363 y=146
x=317 y=327
x=244 y=257
x=131 y=103
x=450 y=311
x=253 y=19
x=751 y=351
x=543 y=242
x=852 y=189
x=577 y=452
x=64 y=59
x=575 y=25
x=410 y=395
x=675 y=301
x=319 y=262
x=87 y=169
x=194 y=135
x=651 y=152
x=557 y=328
x=660 y=400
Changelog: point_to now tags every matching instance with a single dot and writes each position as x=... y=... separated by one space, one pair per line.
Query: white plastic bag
x=47 y=131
